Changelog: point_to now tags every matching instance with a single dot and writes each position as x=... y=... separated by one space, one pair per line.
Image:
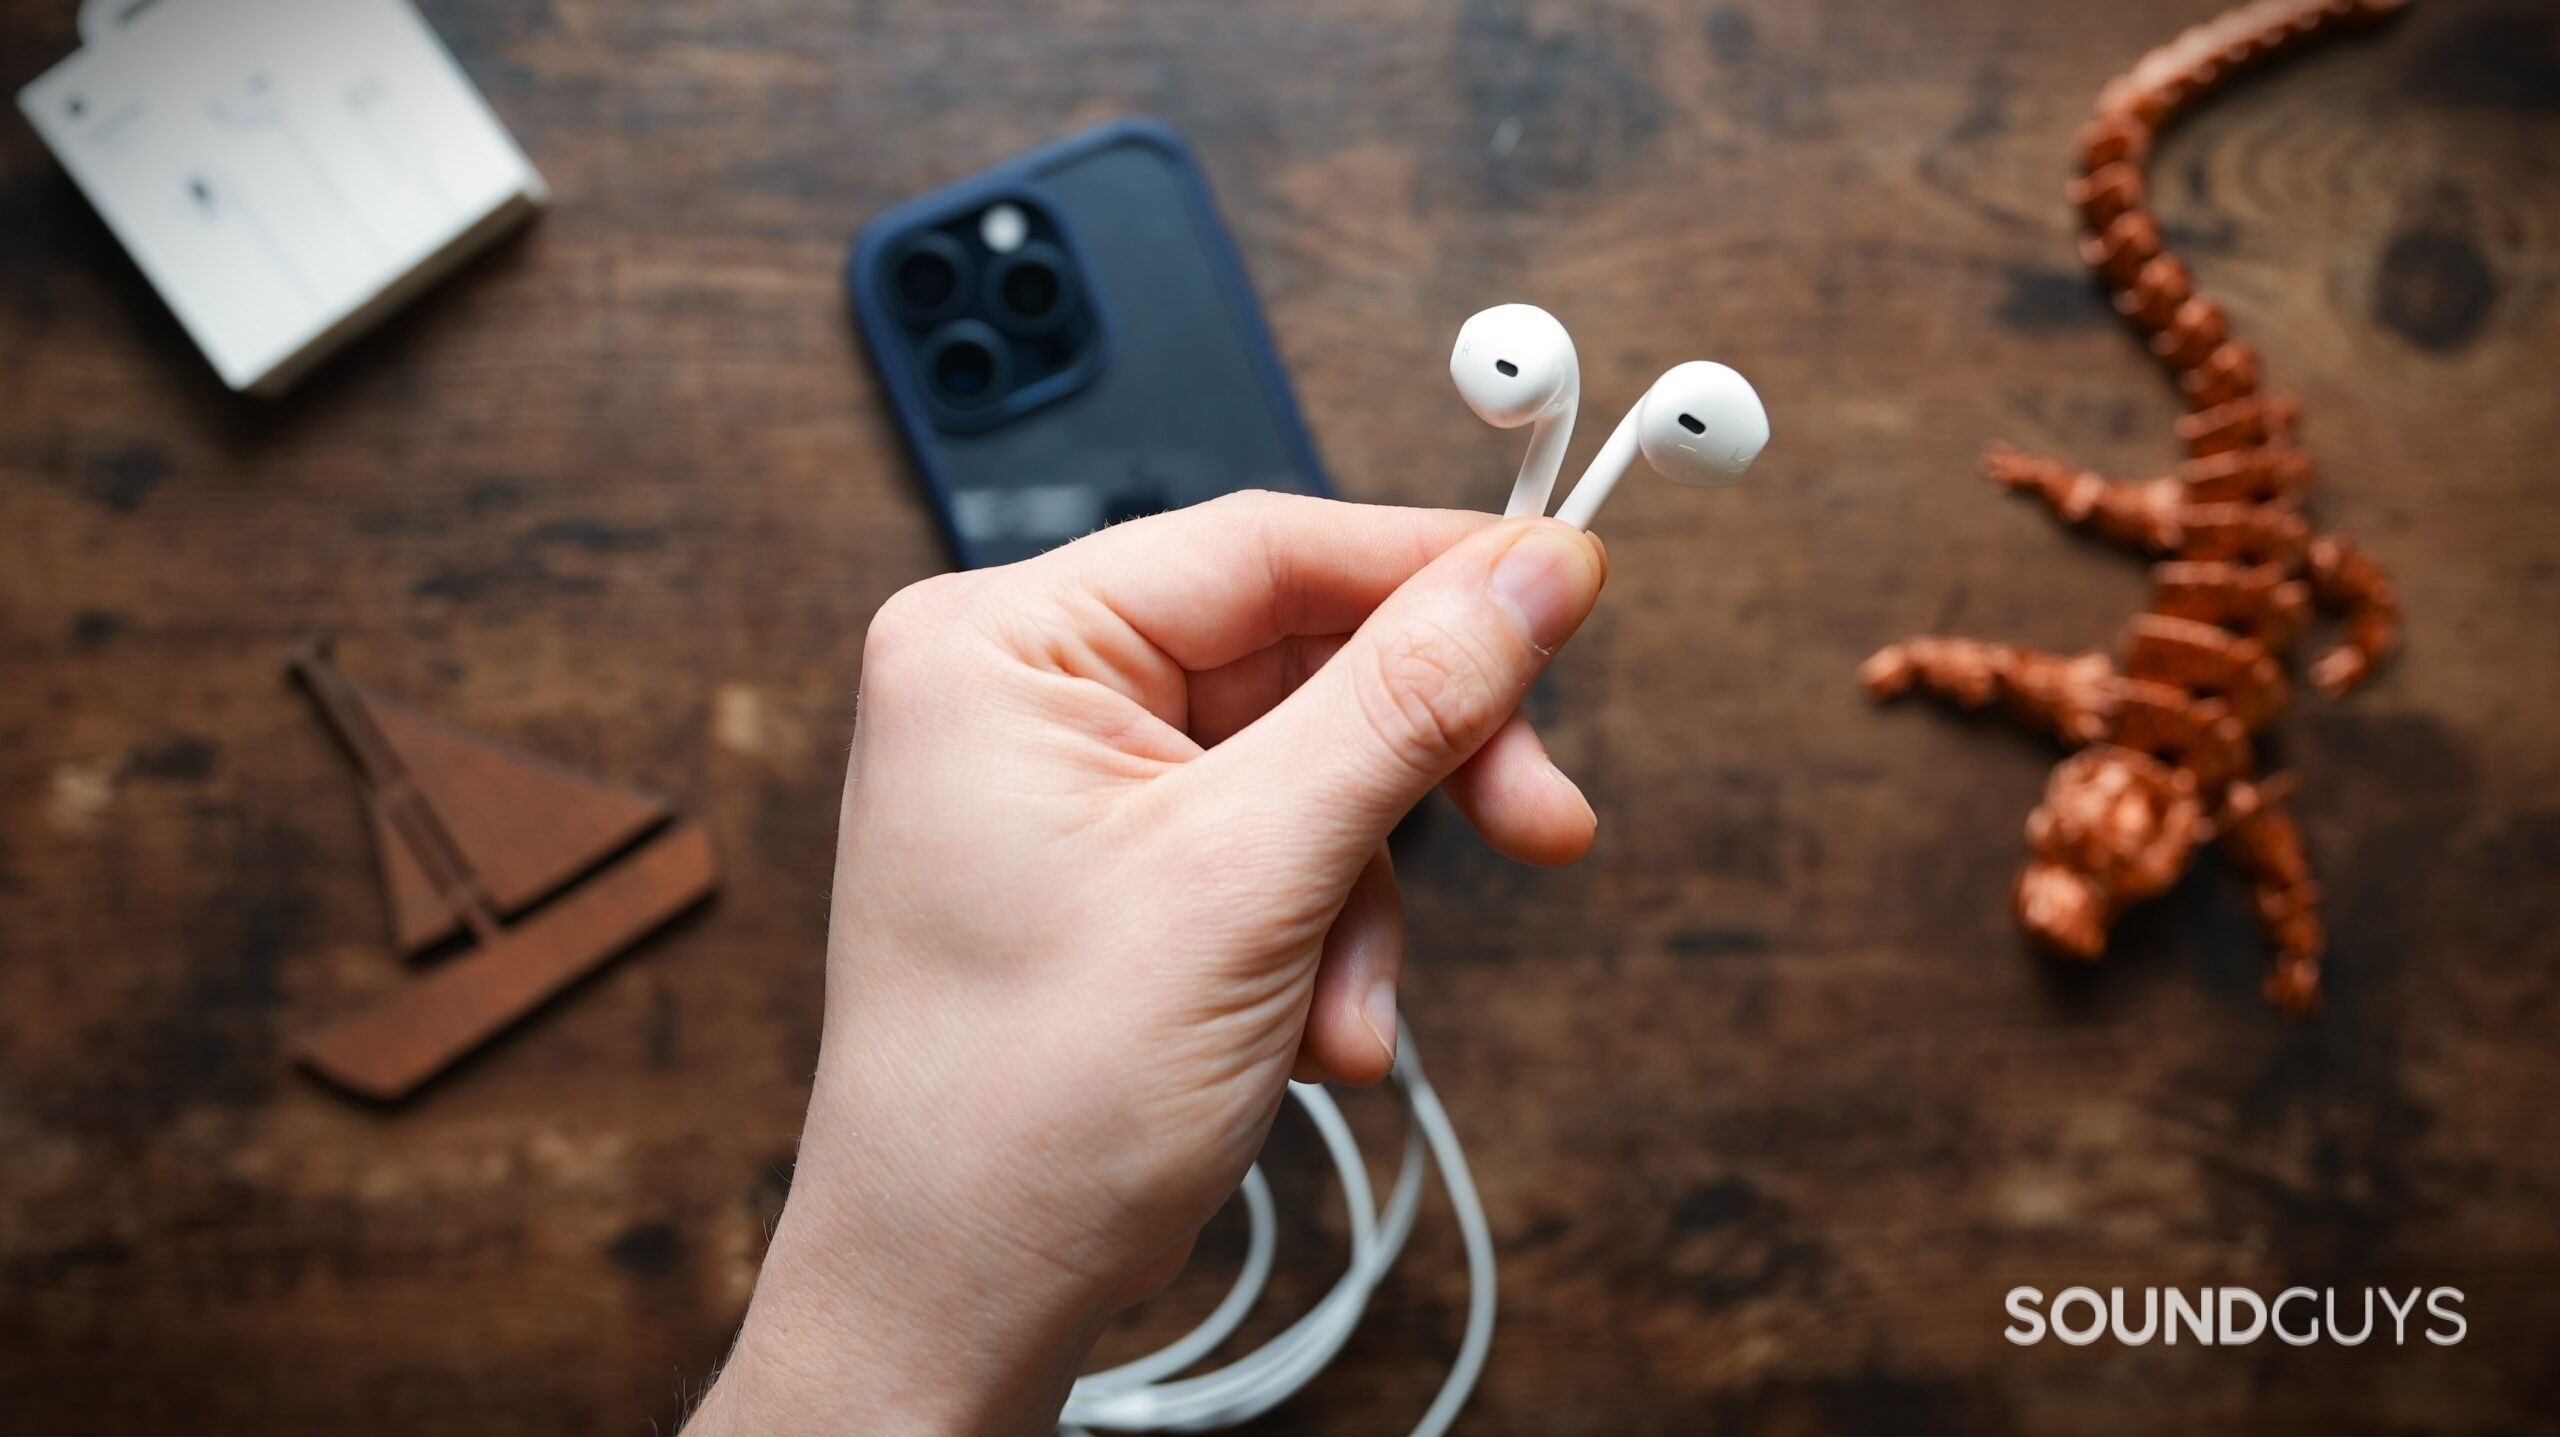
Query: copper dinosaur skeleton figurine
x=2163 y=730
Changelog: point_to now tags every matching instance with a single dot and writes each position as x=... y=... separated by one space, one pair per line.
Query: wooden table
x=1763 y=1155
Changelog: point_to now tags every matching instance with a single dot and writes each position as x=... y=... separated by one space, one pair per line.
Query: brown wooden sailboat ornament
x=551 y=874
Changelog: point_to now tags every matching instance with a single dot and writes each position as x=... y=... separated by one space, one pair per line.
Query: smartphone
x=1068 y=340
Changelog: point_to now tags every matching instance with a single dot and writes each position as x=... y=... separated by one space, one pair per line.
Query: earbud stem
x=1607 y=467
x=1545 y=459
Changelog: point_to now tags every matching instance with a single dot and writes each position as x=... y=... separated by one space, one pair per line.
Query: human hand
x=1111 y=869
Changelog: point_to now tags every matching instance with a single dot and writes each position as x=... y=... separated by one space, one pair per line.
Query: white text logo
x=2233 y=1316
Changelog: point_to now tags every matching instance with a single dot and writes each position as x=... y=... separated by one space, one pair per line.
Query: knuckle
x=1242 y=515
x=1254 y=514
x=1422 y=694
x=1248 y=503
x=912 y=621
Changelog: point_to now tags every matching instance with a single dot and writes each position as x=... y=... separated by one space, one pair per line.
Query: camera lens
x=965 y=370
x=965 y=364
x=1030 y=292
x=927 y=280
x=930 y=277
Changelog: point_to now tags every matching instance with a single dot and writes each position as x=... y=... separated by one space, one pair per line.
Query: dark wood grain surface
x=1769 y=1105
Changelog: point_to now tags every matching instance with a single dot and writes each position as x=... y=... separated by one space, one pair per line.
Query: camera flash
x=1004 y=228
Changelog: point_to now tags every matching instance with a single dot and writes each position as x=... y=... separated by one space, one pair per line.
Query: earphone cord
x=1143 y=1396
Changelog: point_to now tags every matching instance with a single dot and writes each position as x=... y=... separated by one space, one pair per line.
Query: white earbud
x=1699 y=424
x=1515 y=365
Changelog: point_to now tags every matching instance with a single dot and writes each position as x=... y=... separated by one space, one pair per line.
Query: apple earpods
x=1515 y=365
x=1700 y=424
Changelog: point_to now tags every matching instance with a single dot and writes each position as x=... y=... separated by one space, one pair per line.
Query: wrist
x=828 y=1362
x=872 y=1315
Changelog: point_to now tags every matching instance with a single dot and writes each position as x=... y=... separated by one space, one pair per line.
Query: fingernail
x=1545 y=583
x=1378 y=1011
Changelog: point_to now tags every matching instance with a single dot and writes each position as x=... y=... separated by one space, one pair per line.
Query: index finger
x=1210 y=584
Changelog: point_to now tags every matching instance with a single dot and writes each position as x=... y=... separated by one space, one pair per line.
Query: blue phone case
x=1185 y=398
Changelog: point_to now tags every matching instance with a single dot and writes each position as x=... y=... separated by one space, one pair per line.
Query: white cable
x=1143 y=1396
x=1477 y=1235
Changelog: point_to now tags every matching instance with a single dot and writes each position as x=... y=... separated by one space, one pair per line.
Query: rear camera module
x=992 y=316
x=930 y=278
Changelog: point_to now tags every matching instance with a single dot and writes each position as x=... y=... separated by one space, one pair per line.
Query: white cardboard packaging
x=286 y=172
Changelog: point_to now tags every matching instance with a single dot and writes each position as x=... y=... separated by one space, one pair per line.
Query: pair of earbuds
x=1700 y=424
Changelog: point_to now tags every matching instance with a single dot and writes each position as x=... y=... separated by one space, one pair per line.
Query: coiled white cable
x=1144 y=1396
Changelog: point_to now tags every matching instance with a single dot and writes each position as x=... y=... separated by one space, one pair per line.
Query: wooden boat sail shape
x=550 y=874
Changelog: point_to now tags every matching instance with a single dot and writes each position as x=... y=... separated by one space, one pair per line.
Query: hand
x=1111 y=869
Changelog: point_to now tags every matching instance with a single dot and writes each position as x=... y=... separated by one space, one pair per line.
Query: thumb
x=1425 y=682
